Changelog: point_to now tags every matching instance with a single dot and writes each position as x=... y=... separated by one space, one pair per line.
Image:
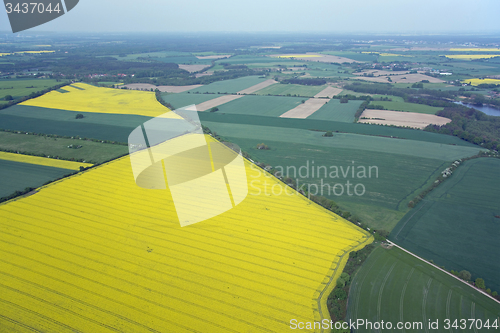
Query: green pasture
x=358 y=56
x=18 y=176
x=102 y=126
x=23 y=87
x=272 y=64
x=92 y=152
x=256 y=59
x=407 y=107
x=322 y=125
x=273 y=106
x=180 y=100
x=336 y=111
x=456 y=225
x=350 y=141
x=229 y=86
x=405 y=167
x=291 y=90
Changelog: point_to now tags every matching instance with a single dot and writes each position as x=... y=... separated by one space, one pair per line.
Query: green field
x=291 y=90
x=165 y=56
x=345 y=141
x=404 y=167
x=102 y=126
x=229 y=86
x=23 y=87
x=456 y=225
x=358 y=56
x=408 y=107
x=336 y=111
x=256 y=59
x=18 y=176
x=322 y=125
x=180 y=100
x=92 y=152
x=394 y=286
x=273 y=106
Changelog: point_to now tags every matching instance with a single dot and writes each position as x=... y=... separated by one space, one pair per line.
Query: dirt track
x=410 y=119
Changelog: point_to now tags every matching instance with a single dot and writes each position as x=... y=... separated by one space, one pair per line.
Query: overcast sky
x=341 y=16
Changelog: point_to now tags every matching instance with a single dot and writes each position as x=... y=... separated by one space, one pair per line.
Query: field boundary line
x=401 y=300
x=424 y=303
x=381 y=291
x=321 y=300
x=473 y=315
x=448 y=301
x=424 y=202
x=357 y=295
x=444 y=271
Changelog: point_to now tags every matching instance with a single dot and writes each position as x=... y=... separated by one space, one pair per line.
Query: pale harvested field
x=305 y=110
x=397 y=118
x=216 y=102
x=257 y=87
x=328 y=92
x=214 y=56
x=377 y=72
x=170 y=89
x=403 y=78
x=203 y=74
x=193 y=68
x=316 y=57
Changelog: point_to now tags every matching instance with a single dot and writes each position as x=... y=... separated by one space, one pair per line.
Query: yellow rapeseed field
x=87 y=98
x=490 y=49
x=472 y=56
x=43 y=161
x=476 y=82
x=96 y=253
x=28 y=52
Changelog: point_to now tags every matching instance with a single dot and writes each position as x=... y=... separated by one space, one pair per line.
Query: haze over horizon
x=355 y=16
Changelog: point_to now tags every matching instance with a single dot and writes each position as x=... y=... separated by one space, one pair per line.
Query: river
x=485 y=109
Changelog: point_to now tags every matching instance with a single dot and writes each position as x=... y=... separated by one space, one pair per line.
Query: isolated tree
x=464 y=275
x=494 y=294
x=480 y=283
x=214 y=109
x=79 y=116
x=488 y=291
x=262 y=146
x=329 y=134
x=8 y=98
